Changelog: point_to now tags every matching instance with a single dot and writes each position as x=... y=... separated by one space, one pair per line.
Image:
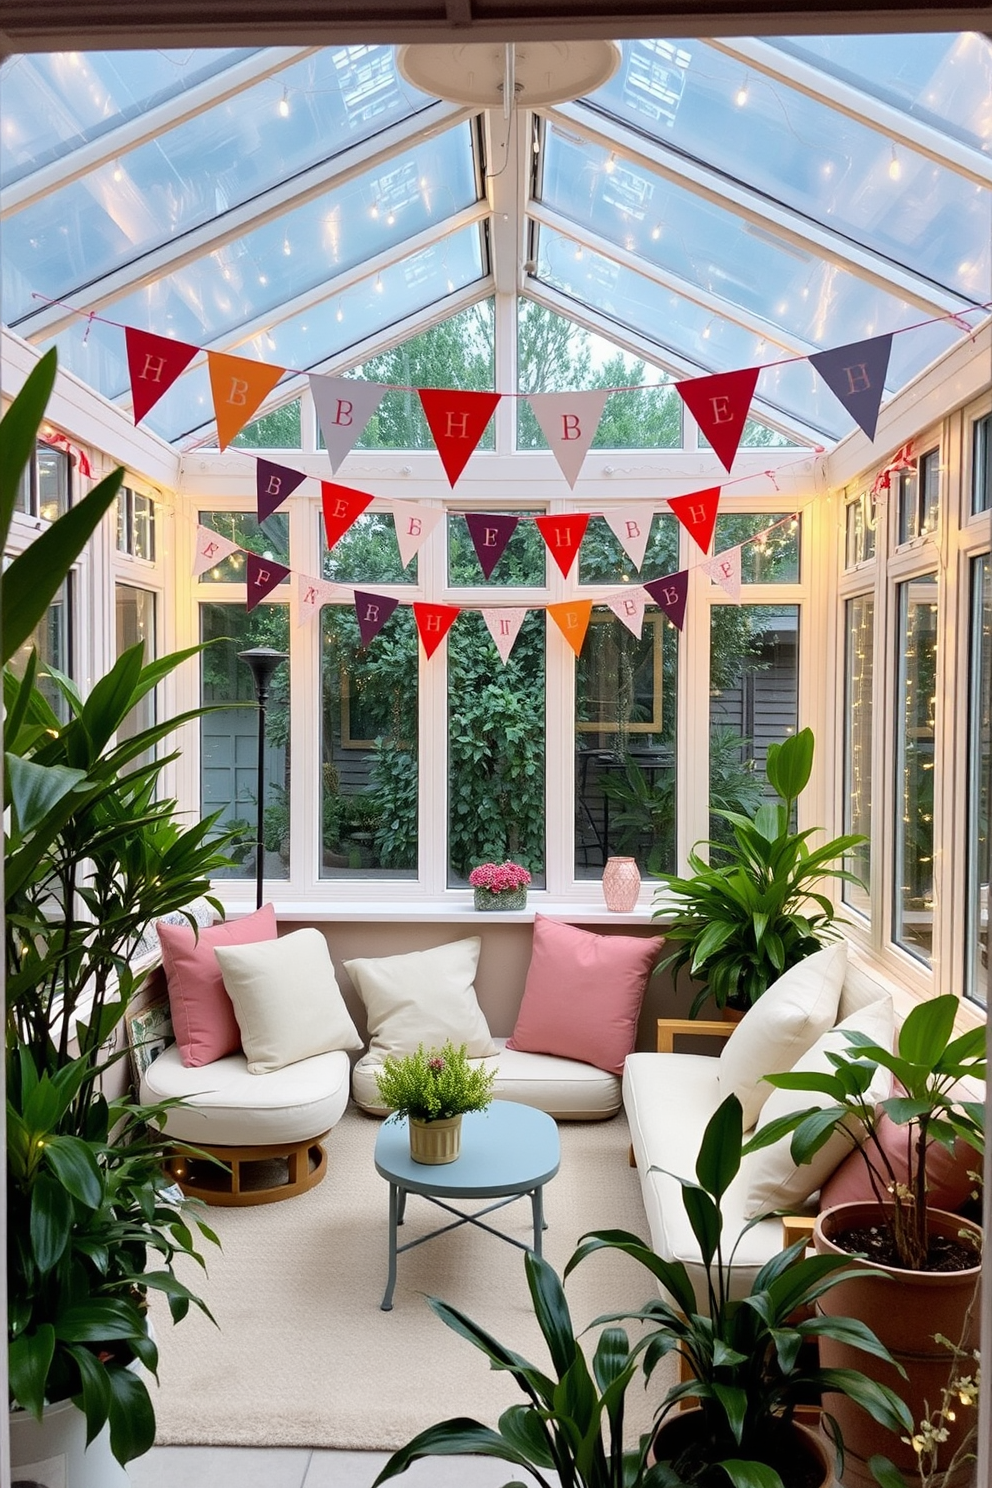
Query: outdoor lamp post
x=262 y=661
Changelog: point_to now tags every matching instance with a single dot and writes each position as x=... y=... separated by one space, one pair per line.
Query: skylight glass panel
x=800 y=153
x=255 y=272
x=55 y=102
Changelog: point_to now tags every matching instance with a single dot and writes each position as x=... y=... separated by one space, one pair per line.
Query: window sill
x=437 y=911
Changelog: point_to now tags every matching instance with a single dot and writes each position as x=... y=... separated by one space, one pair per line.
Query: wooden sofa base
x=292 y=1169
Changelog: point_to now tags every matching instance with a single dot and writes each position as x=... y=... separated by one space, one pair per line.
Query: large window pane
x=980 y=730
x=135 y=621
x=495 y=748
x=368 y=553
x=859 y=633
x=523 y=561
x=915 y=738
x=229 y=737
x=981 y=466
x=269 y=539
x=769 y=545
x=368 y=759
x=625 y=716
x=51 y=639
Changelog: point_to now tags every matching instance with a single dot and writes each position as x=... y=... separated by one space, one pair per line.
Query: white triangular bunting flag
x=628 y=606
x=344 y=406
x=312 y=593
x=569 y=422
x=211 y=549
x=504 y=627
x=631 y=528
x=725 y=570
x=414 y=525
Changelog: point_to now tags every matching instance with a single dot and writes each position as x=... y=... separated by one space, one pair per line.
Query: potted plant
x=745 y=1362
x=500 y=885
x=755 y=910
x=92 y=858
x=432 y=1089
x=935 y=1257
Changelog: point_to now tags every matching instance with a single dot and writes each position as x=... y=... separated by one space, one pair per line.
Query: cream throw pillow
x=775 y=1180
x=423 y=997
x=286 y=1000
x=785 y=1022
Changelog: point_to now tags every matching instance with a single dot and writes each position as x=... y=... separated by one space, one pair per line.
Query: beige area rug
x=303 y=1355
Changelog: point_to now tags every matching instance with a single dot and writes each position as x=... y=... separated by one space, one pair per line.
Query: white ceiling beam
x=508 y=158
x=801 y=232
x=43 y=324
x=860 y=105
x=148 y=125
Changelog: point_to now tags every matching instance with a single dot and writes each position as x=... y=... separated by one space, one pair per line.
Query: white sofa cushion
x=785 y=1022
x=423 y=997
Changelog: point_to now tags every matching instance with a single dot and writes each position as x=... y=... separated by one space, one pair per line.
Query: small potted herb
x=433 y=1088
x=500 y=885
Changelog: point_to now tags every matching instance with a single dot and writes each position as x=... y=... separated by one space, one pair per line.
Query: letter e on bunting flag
x=720 y=407
x=457 y=421
x=238 y=386
x=563 y=536
x=261 y=576
x=344 y=406
x=631 y=528
x=855 y=374
x=211 y=549
x=725 y=570
x=490 y=535
x=569 y=422
x=153 y=364
x=433 y=622
x=572 y=619
x=670 y=594
x=273 y=483
x=372 y=611
x=697 y=513
x=413 y=525
x=504 y=627
x=628 y=606
x=342 y=506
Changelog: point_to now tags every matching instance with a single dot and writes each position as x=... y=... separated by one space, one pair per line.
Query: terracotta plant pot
x=805 y=1449
x=435 y=1141
x=905 y=1309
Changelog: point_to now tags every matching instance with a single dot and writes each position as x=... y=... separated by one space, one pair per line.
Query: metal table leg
x=537 y=1208
x=395 y=1206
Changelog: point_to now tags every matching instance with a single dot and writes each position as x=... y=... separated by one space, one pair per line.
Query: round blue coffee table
x=507 y=1152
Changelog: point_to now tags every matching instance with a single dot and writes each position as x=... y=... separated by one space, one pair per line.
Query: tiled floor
x=298 y=1467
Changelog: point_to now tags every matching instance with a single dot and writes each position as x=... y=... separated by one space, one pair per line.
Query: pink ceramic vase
x=621 y=884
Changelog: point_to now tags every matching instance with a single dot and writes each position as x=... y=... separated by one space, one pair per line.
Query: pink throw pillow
x=948 y=1183
x=583 y=994
x=202 y=1013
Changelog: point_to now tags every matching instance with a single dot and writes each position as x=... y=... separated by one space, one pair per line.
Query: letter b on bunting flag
x=569 y=422
x=238 y=386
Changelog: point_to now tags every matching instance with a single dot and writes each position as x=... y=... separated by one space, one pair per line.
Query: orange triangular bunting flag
x=342 y=506
x=572 y=619
x=720 y=406
x=697 y=513
x=433 y=623
x=457 y=421
x=238 y=387
x=563 y=536
x=153 y=364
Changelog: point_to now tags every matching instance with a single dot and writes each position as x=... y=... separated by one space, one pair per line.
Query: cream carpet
x=303 y=1355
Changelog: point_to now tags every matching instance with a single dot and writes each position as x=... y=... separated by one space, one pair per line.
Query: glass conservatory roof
x=720 y=204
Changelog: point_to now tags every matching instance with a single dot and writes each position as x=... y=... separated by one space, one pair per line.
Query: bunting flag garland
x=457 y=421
x=313 y=594
x=725 y=570
x=342 y=508
x=628 y=606
x=490 y=535
x=504 y=627
x=433 y=623
x=413 y=525
x=855 y=374
x=572 y=619
x=273 y=483
x=631 y=530
x=720 y=406
x=238 y=387
x=697 y=513
x=563 y=536
x=153 y=364
x=372 y=611
x=569 y=422
x=211 y=549
x=670 y=595
x=344 y=406
x=77 y=456
x=261 y=576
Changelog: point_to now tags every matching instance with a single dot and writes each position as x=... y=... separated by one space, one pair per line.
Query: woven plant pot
x=507 y=899
x=621 y=884
x=435 y=1141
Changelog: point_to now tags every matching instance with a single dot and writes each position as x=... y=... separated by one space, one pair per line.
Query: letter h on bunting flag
x=457 y=421
x=153 y=364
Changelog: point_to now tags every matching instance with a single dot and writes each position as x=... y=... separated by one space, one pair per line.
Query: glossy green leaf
x=50 y=1223
x=29 y=1358
x=132 y=1419
x=719 y=1159
x=76 y=1168
x=94 y=1399
x=927 y=1029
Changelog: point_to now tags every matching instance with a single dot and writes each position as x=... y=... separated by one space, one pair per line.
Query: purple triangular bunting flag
x=261 y=576
x=372 y=611
x=670 y=594
x=855 y=374
x=273 y=483
x=490 y=536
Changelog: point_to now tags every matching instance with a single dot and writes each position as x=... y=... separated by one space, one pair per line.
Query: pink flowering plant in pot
x=500 y=885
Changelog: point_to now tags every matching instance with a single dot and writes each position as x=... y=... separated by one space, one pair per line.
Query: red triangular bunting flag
x=153 y=364
x=372 y=611
x=670 y=594
x=457 y=421
x=569 y=422
x=490 y=536
x=238 y=386
x=273 y=483
x=720 y=407
x=261 y=576
x=504 y=625
x=211 y=549
x=433 y=622
x=342 y=506
x=697 y=513
x=563 y=536
x=572 y=619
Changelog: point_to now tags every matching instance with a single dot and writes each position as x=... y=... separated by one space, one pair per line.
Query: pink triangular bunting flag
x=433 y=623
x=697 y=513
x=211 y=549
x=504 y=627
x=569 y=422
x=725 y=570
x=313 y=594
x=628 y=606
x=720 y=406
x=344 y=406
x=414 y=525
x=631 y=528
x=490 y=535
x=153 y=364
x=670 y=594
x=261 y=576
x=273 y=483
x=457 y=421
x=372 y=611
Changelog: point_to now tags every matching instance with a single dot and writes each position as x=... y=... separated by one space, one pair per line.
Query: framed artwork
x=149 y=1033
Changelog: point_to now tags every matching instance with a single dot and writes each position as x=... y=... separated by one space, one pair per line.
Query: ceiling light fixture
x=525 y=74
